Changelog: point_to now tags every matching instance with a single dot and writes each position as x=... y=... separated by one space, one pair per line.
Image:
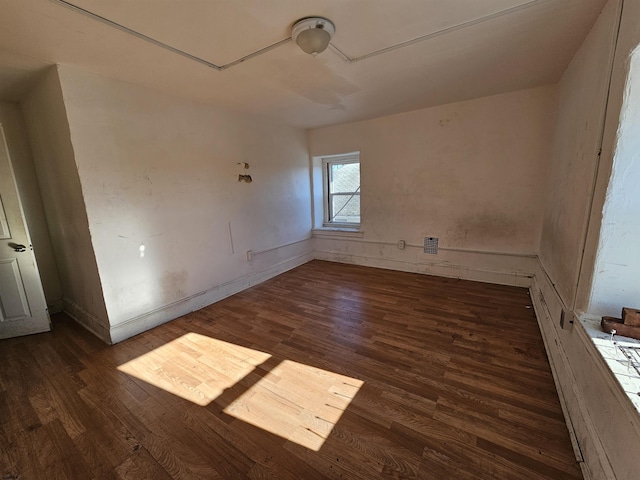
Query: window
x=342 y=186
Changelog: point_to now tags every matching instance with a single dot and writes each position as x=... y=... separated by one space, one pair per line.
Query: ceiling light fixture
x=313 y=34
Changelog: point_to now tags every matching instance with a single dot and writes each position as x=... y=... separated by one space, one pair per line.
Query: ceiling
x=471 y=48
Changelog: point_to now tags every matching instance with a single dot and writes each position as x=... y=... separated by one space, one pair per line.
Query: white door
x=23 y=309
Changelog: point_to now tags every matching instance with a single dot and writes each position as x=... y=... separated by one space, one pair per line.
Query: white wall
x=616 y=278
x=578 y=134
x=161 y=171
x=471 y=173
x=21 y=159
x=53 y=156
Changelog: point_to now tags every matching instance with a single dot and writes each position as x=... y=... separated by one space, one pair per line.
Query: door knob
x=18 y=247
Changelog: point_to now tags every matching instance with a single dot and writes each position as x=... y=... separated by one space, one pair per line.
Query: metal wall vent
x=431 y=245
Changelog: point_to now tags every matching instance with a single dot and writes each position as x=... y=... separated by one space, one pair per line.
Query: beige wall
x=21 y=159
x=578 y=135
x=162 y=172
x=471 y=173
x=53 y=156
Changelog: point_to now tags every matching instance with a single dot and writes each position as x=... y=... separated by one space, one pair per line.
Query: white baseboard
x=148 y=320
x=87 y=320
x=489 y=267
x=597 y=415
x=56 y=306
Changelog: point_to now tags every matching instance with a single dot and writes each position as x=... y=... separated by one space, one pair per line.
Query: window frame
x=327 y=162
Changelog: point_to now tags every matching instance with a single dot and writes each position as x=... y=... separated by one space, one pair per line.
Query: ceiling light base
x=313 y=34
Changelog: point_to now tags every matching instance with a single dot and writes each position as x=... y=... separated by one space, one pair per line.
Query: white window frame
x=327 y=162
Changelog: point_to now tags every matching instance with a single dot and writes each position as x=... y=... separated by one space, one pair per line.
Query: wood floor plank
x=141 y=465
x=328 y=371
x=525 y=442
x=64 y=454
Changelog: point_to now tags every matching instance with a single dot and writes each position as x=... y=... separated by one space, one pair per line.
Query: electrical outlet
x=249 y=255
x=566 y=318
x=402 y=244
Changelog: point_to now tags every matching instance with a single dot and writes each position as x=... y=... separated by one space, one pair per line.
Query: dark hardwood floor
x=327 y=371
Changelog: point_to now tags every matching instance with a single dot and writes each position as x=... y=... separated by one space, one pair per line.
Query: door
x=23 y=309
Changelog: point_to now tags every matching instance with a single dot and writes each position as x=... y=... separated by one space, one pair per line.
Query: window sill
x=624 y=372
x=323 y=232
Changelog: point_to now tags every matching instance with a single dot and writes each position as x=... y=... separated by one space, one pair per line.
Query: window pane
x=345 y=209
x=344 y=178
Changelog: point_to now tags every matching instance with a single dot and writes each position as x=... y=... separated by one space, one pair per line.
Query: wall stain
x=173 y=285
x=482 y=227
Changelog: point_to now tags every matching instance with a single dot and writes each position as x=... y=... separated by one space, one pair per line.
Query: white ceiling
x=529 y=45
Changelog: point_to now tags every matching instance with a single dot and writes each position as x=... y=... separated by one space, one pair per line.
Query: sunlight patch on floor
x=297 y=402
x=195 y=367
x=289 y=399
